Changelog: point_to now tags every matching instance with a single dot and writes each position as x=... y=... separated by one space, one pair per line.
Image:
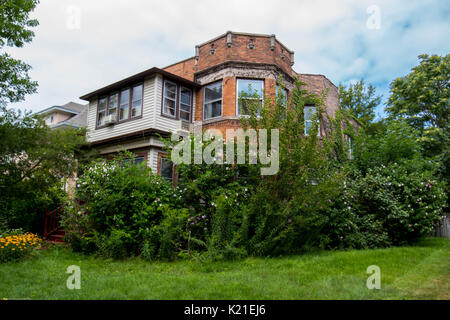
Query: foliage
x=421 y=98
x=120 y=205
x=33 y=161
x=360 y=101
x=14 y=31
x=389 y=205
x=395 y=142
x=15 y=245
x=318 y=198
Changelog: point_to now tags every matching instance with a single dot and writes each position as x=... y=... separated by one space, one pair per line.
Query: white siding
x=151 y=115
x=163 y=123
x=146 y=122
x=153 y=159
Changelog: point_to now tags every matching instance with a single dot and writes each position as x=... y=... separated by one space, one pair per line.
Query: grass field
x=416 y=272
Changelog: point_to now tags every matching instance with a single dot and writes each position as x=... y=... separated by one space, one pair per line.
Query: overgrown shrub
x=389 y=205
x=118 y=206
x=26 y=208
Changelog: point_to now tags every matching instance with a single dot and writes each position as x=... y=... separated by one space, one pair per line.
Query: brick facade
x=238 y=55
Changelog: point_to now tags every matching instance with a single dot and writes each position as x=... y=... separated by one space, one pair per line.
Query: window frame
x=237 y=95
x=204 y=100
x=350 y=147
x=164 y=99
x=119 y=94
x=311 y=121
x=191 y=108
x=161 y=156
x=285 y=92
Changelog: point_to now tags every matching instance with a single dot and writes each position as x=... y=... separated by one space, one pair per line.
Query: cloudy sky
x=82 y=45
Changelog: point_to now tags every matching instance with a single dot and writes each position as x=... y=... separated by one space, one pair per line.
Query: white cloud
x=118 y=38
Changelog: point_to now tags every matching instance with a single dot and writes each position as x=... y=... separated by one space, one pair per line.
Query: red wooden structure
x=52 y=227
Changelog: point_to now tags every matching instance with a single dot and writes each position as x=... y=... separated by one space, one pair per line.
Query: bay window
x=212 y=106
x=125 y=104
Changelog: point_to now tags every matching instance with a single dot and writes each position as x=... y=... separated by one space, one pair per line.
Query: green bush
x=118 y=206
x=117 y=245
x=389 y=205
x=26 y=208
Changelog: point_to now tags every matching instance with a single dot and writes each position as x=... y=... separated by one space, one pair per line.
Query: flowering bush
x=15 y=245
x=390 y=205
x=117 y=196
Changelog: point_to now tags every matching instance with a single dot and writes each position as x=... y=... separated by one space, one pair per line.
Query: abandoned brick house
x=201 y=90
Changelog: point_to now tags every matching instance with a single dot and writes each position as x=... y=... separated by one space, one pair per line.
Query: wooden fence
x=443 y=228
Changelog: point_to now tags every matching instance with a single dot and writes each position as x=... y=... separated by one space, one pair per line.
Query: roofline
x=57 y=108
x=65 y=123
x=317 y=74
x=137 y=77
x=181 y=61
x=247 y=34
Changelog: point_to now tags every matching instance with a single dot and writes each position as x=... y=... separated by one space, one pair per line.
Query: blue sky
x=82 y=45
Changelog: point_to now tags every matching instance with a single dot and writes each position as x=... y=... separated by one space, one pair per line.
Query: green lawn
x=416 y=272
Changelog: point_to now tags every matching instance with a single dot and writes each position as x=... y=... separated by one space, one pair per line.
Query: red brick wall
x=183 y=69
x=239 y=51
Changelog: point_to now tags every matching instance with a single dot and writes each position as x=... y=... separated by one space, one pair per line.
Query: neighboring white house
x=68 y=115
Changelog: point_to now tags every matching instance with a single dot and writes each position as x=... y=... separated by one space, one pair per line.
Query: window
x=124 y=104
x=119 y=103
x=166 y=168
x=136 y=104
x=283 y=93
x=310 y=119
x=113 y=102
x=212 y=107
x=137 y=160
x=170 y=99
x=52 y=119
x=185 y=104
x=101 y=111
x=350 y=148
x=249 y=91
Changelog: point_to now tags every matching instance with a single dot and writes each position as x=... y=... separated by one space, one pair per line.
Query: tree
x=422 y=96
x=360 y=101
x=33 y=160
x=15 y=82
x=422 y=99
